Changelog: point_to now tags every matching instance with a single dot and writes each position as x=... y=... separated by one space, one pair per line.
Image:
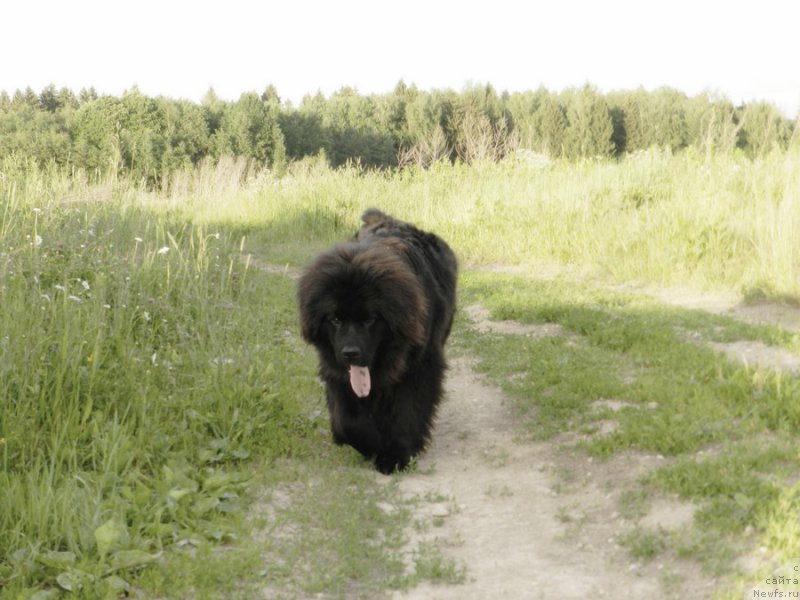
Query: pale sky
x=743 y=50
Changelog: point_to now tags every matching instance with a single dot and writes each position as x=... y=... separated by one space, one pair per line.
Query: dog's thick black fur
x=379 y=309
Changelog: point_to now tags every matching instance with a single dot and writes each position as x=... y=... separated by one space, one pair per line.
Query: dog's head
x=364 y=310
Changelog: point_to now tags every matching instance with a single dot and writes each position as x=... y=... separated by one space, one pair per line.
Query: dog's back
x=429 y=256
x=377 y=222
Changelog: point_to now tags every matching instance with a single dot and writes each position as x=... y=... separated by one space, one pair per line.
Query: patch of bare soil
x=758 y=354
x=751 y=353
x=531 y=520
x=479 y=316
x=731 y=305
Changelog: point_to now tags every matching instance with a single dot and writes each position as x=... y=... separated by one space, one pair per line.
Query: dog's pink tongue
x=360 y=381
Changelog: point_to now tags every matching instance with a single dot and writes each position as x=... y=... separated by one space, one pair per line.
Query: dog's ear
x=310 y=326
x=311 y=317
x=314 y=293
x=373 y=217
x=405 y=307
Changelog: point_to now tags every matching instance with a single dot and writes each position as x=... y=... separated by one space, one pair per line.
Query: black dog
x=379 y=310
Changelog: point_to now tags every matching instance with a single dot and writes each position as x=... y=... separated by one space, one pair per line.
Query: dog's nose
x=351 y=353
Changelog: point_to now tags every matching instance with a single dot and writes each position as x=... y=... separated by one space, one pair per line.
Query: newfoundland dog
x=379 y=309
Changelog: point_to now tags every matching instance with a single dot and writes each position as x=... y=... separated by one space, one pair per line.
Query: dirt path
x=529 y=520
x=728 y=304
x=538 y=520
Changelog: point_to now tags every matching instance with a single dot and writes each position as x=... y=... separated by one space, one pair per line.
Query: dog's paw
x=390 y=463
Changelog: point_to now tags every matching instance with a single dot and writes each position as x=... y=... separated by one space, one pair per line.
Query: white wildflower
x=138 y=240
x=74 y=298
x=163 y=250
x=146 y=316
x=85 y=285
x=154 y=358
x=46 y=297
x=60 y=287
x=38 y=240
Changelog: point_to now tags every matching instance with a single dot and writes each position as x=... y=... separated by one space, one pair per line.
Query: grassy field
x=725 y=222
x=154 y=389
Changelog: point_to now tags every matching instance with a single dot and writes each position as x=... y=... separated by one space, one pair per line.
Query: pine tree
x=590 y=129
x=551 y=127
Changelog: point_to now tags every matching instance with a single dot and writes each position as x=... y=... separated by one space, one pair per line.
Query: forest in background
x=146 y=138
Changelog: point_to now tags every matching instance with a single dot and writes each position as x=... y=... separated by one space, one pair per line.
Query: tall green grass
x=719 y=221
x=140 y=362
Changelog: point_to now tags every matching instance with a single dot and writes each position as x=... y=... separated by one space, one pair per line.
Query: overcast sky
x=743 y=50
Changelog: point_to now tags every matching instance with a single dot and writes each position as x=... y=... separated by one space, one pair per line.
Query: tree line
x=146 y=138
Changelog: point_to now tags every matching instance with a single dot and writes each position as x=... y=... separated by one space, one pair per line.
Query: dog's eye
x=336 y=322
